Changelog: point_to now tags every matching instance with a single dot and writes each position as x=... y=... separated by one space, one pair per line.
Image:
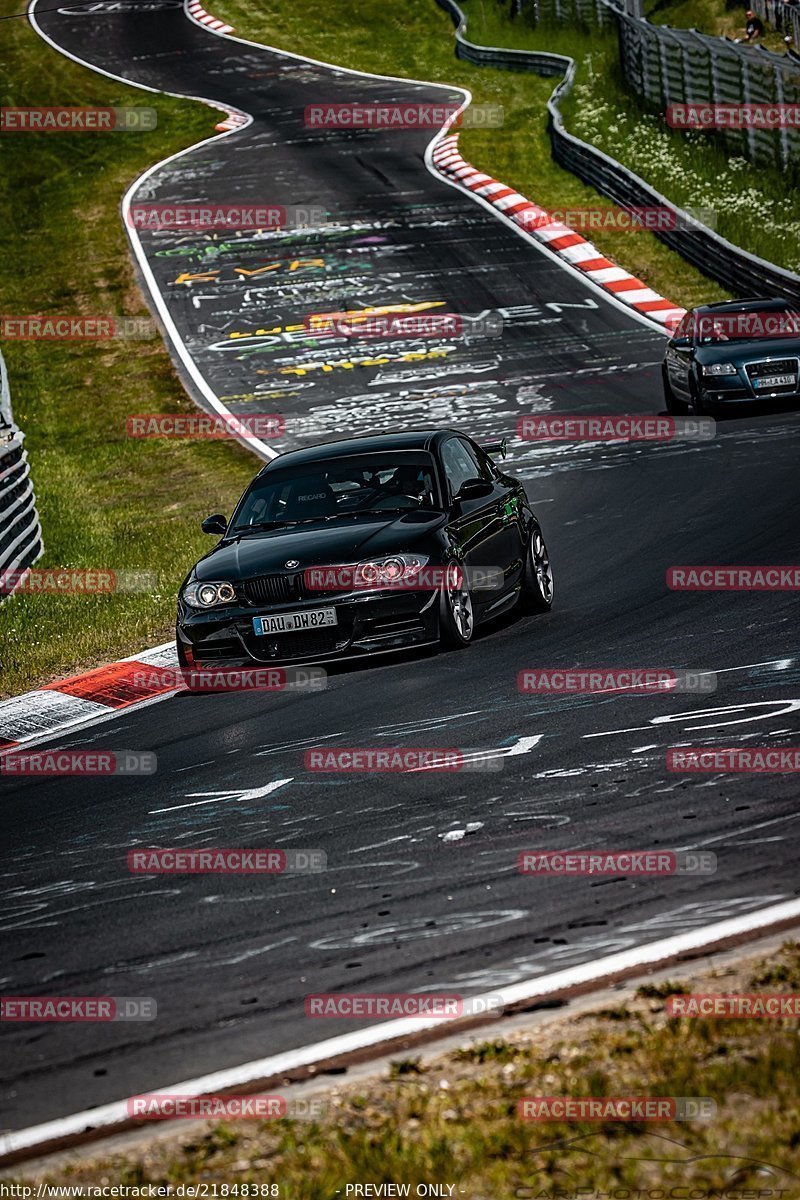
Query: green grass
x=416 y=40
x=105 y=500
x=454 y=1120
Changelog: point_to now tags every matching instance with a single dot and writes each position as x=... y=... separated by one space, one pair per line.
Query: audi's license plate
x=314 y=618
x=768 y=381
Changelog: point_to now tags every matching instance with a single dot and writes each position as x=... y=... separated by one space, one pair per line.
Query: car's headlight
x=397 y=570
x=207 y=595
x=718 y=369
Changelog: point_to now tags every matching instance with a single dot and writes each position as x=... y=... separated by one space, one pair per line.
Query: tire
x=537 y=581
x=675 y=407
x=456 y=614
x=698 y=404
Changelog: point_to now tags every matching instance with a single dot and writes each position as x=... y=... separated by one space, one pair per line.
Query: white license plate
x=314 y=618
x=767 y=381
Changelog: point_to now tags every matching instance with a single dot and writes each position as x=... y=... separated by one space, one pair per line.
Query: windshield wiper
x=260 y=525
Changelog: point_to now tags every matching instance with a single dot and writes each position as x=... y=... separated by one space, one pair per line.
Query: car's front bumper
x=367 y=623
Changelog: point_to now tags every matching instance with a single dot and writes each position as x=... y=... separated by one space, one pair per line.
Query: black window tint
x=459 y=464
x=486 y=468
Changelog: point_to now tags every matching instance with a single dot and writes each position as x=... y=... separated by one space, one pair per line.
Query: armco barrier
x=742 y=273
x=783 y=17
x=20 y=531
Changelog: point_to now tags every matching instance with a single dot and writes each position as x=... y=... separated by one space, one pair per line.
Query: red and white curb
x=200 y=14
x=570 y=246
x=83 y=699
x=234 y=120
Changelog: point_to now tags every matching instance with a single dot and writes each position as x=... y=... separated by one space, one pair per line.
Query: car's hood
x=748 y=351
x=324 y=543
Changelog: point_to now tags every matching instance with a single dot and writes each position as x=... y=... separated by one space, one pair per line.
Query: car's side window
x=486 y=468
x=458 y=464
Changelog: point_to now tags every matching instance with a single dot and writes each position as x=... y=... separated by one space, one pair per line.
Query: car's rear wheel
x=537 y=581
x=456 y=615
x=674 y=406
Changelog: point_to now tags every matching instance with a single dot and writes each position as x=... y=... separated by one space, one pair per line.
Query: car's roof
x=753 y=304
x=412 y=439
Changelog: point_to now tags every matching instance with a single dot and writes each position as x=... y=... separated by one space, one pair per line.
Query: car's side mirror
x=682 y=343
x=216 y=523
x=474 y=489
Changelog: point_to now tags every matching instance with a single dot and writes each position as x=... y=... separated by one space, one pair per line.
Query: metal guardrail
x=676 y=66
x=20 y=530
x=783 y=17
x=742 y=273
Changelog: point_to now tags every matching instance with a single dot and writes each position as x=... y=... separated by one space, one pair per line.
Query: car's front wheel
x=699 y=406
x=674 y=406
x=537 y=581
x=456 y=615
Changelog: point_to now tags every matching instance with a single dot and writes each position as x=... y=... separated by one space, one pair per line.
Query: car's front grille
x=299 y=645
x=273 y=589
x=278 y=589
x=777 y=366
x=210 y=651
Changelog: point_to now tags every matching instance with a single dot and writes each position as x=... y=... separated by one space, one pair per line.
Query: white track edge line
x=108 y=1115
x=261 y=448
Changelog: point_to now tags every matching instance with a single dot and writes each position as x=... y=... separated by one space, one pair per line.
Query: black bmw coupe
x=362 y=546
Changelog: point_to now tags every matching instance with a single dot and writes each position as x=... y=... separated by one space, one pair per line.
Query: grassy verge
x=416 y=40
x=453 y=1119
x=105 y=500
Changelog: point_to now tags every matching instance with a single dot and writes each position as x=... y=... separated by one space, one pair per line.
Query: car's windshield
x=749 y=325
x=338 y=487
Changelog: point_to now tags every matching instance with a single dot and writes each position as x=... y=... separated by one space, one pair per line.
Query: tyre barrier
x=20 y=531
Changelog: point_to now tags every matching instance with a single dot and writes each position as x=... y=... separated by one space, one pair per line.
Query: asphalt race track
x=402 y=907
